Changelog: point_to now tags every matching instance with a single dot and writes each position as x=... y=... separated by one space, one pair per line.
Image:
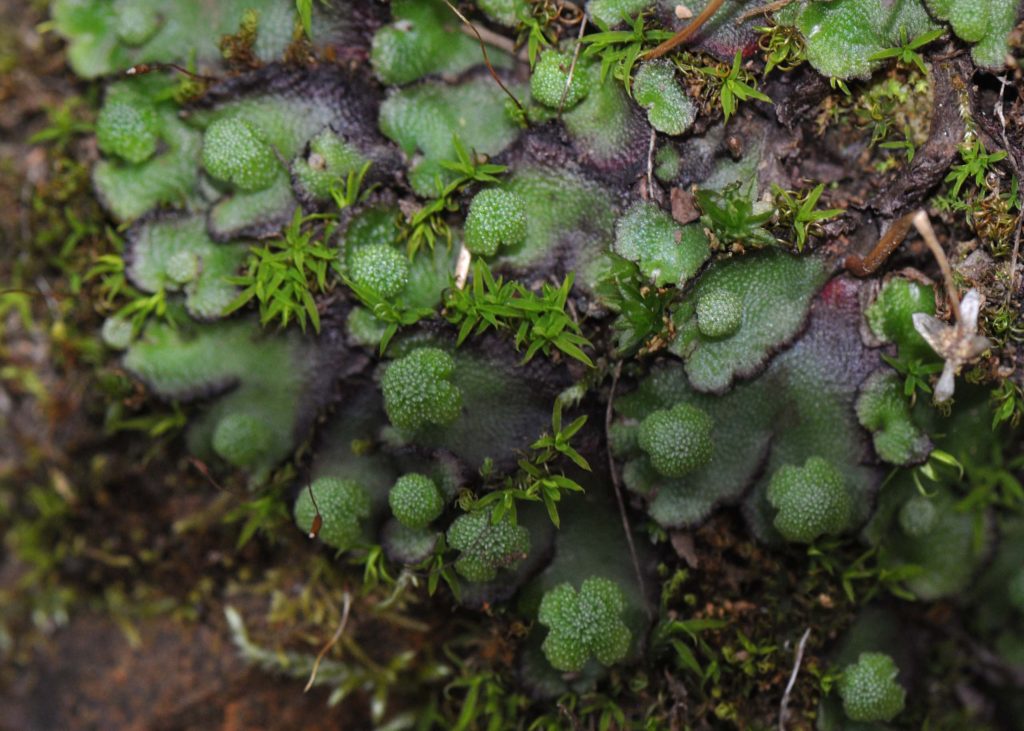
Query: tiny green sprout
x=496 y=217
x=283 y=274
x=234 y=151
x=677 y=440
x=783 y=47
x=549 y=82
x=798 y=211
x=869 y=689
x=342 y=505
x=907 y=52
x=738 y=85
x=418 y=390
x=415 y=500
x=486 y=546
x=128 y=126
x=811 y=501
x=380 y=267
x=620 y=50
x=734 y=217
x=976 y=164
x=584 y=624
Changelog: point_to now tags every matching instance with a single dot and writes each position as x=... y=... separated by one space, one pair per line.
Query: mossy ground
x=121 y=553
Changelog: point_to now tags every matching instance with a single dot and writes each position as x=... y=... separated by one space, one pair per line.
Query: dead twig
x=487 y=59
x=784 y=704
x=617 y=484
x=1012 y=157
x=762 y=10
x=686 y=33
x=572 y=66
x=345 y=609
x=924 y=227
x=890 y=241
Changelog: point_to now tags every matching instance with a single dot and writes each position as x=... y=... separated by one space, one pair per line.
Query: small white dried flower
x=957 y=344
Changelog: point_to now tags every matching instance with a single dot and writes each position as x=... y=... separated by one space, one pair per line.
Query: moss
x=343 y=505
x=106 y=37
x=918 y=516
x=883 y=409
x=666 y=252
x=719 y=313
x=423 y=119
x=668 y=163
x=175 y=253
x=677 y=440
x=842 y=36
x=418 y=390
x=128 y=126
x=985 y=23
x=811 y=500
x=549 y=82
x=380 y=267
x=329 y=161
x=869 y=689
x=485 y=546
x=496 y=217
x=584 y=624
x=167 y=174
x=235 y=151
x=270 y=378
x=117 y=333
x=505 y=12
x=242 y=439
x=775 y=292
x=612 y=12
x=669 y=110
x=408 y=545
x=891 y=316
x=423 y=39
x=415 y=500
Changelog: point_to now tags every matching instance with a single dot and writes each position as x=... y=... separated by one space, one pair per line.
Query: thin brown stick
x=487 y=59
x=572 y=66
x=686 y=33
x=346 y=607
x=866 y=266
x=318 y=519
x=763 y=10
x=924 y=227
x=1012 y=157
x=617 y=484
x=146 y=68
x=784 y=705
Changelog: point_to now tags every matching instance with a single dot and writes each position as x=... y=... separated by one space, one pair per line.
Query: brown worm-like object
x=686 y=33
x=866 y=266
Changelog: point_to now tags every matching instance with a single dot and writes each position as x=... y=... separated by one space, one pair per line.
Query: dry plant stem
x=1016 y=168
x=483 y=50
x=784 y=705
x=924 y=227
x=572 y=66
x=650 y=164
x=462 y=267
x=617 y=484
x=890 y=241
x=686 y=33
x=346 y=608
x=763 y=10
